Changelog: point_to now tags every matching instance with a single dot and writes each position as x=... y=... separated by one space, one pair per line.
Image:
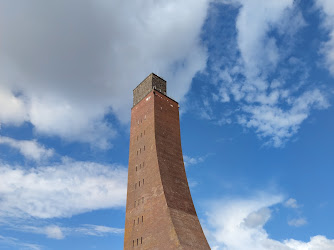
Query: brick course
x=167 y=217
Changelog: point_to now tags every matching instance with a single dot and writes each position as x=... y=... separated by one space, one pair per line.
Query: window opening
x=142 y=219
x=141 y=240
x=139 y=183
x=137 y=242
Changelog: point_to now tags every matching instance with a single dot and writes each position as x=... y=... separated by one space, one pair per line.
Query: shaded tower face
x=160 y=213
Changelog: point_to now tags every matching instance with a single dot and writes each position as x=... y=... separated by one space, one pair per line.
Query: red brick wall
x=167 y=217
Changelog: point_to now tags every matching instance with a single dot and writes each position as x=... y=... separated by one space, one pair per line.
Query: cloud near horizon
x=238 y=223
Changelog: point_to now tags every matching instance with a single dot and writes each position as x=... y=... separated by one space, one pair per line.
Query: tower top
x=151 y=82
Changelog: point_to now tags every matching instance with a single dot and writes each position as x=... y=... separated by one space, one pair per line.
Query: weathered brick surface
x=151 y=82
x=167 y=217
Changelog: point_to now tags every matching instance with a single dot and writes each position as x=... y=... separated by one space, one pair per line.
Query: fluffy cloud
x=41 y=192
x=316 y=243
x=12 y=109
x=54 y=232
x=66 y=65
x=238 y=223
x=30 y=149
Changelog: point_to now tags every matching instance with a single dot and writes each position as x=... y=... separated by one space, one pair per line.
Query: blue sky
x=254 y=80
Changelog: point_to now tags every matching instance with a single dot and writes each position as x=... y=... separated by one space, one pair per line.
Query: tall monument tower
x=160 y=213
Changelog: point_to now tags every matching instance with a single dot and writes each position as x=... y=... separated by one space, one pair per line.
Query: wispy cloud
x=260 y=75
x=17 y=244
x=292 y=203
x=97 y=230
x=60 y=190
x=327 y=10
x=297 y=222
x=188 y=161
x=29 y=149
x=60 y=232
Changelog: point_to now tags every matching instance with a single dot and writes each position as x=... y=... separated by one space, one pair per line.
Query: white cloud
x=12 y=108
x=258 y=77
x=318 y=242
x=258 y=218
x=54 y=232
x=279 y=124
x=17 y=244
x=292 y=203
x=238 y=223
x=327 y=9
x=192 y=160
x=65 y=65
x=258 y=50
x=297 y=222
x=96 y=230
x=60 y=190
x=30 y=149
x=60 y=232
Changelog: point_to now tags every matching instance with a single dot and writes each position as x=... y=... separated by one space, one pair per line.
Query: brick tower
x=160 y=213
